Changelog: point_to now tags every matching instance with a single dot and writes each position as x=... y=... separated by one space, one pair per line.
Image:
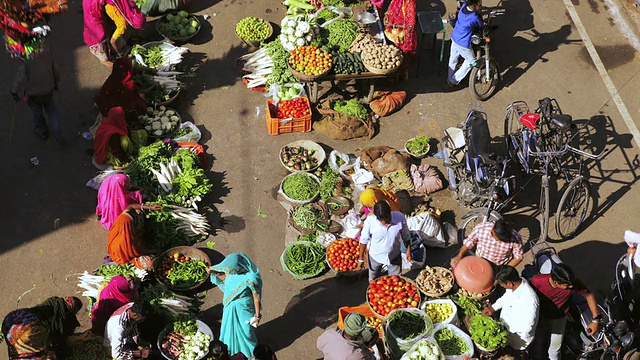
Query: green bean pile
x=303 y=259
x=300 y=186
x=450 y=343
x=306 y=217
x=407 y=325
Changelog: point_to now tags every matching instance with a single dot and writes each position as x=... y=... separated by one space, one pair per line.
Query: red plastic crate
x=277 y=127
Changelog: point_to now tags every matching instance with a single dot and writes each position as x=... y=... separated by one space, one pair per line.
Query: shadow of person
x=315 y=306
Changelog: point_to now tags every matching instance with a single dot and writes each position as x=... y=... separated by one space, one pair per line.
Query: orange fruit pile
x=310 y=60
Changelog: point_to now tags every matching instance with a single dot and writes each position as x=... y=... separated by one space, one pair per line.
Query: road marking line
x=603 y=72
x=626 y=30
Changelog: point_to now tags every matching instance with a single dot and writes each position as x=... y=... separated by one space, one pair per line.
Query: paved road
x=49 y=232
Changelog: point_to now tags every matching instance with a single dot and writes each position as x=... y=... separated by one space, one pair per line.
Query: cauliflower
x=304 y=27
x=164 y=119
x=156 y=125
x=140 y=118
x=148 y=127
x=162 y=108
x=298 y=34
x=300 y=42
x=308 y=38
x=285 y=22
x=149 y=110
x=169 y=112
x=174 y=118
x=290 y=31
x=156 y=113
x=157 y=133
x=293 y=23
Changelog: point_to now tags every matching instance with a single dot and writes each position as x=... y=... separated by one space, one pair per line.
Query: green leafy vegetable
x=152 y=56
x=111 y=270
x=488 y=333
x=187 y=273
x=325 y=15
x=418 y=145
x=280 y=73
x=469 y=306
x=185 y=325
x=328 y=183
x=450 y=343
x=351 y=107
x=148 y=158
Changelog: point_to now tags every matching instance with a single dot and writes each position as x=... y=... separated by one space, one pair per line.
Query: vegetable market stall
x=366 y=81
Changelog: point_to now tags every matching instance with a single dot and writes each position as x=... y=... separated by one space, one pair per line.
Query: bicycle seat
x=561 y=121
x=530 y=120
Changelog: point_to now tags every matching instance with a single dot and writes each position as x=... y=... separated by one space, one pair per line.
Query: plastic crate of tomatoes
x=388 y=293
x=289 y=116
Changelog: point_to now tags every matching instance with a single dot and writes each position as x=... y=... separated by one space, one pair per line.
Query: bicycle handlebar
x=564 y=150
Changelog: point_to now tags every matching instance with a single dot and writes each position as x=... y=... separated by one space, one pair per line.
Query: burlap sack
x=339 y=126
x=381 y=160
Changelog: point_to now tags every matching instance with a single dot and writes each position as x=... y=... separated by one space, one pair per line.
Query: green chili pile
x=407 y=325
x=300 y=187
x=450 y=343
x=306 y=259
x=109 y=271
x=188 y=273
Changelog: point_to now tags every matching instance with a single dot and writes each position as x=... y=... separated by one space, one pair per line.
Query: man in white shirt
x=519 y=308
x=121 y=333
x=383 y=231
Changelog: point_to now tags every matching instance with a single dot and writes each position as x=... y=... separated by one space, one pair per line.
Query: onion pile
x=298 y=158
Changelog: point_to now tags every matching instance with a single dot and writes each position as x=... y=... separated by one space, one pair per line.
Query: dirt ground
x=48 y=228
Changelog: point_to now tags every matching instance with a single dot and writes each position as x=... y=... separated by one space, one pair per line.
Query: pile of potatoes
x=380 y=56
x=362 y=41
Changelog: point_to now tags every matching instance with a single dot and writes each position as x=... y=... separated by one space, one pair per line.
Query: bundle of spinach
x=488 y=333
x=351 y=107
x=328 y=183
x=280 y=73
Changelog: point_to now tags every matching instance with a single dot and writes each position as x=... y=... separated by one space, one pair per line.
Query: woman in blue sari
x=239 y=279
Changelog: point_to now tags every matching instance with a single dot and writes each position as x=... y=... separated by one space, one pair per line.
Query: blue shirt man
x=468 y=21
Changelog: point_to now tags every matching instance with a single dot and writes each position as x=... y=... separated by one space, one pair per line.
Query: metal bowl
x=189 y=251
x=202 y=327
x=163 y=19
x=364 y=18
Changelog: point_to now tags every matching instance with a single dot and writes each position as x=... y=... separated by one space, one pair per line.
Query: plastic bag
x=400 y=346
x=361 y=177
x=276 y=90
x=429 y=229
x=193 y=136
x=325 y=239
x=418 y=259
x=452 y=319
x=407 y=355
x=330 y=8
x=350 y=227
x=462 y=335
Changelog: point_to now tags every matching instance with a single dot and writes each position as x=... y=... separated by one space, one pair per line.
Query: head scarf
x=241 y=272
x=113 y=198
x=370 y=197
x=114 y=124
x=355 y=325
x=119 y=89
x=116 y=294
x=59 y=314
x=130 y=12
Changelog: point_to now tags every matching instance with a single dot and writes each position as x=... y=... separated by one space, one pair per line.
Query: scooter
x=617 y=337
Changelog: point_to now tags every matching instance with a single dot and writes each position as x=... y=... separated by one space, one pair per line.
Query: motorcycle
x=617 y=336
x=476 y=174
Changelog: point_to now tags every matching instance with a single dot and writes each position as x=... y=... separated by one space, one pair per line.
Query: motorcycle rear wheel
x=481 y=88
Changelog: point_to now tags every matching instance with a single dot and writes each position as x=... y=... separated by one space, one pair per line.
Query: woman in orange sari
x=126 y=238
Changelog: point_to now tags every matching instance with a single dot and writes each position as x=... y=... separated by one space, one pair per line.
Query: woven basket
x=317 y=206
x=384 y=317
x=178 y=38
x=434 y=294
x=283 y=262
x=300 y=202
x=345 y=273
x=255 y=44
x=189 y=251
x=380 y=71
x=306 y=77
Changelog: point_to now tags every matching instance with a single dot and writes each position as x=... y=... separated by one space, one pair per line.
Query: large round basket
x=283 y=262
x=417 y=156
x=306 y=77
x=445 y=281
x=380 y=71
x=256 y=44
x=384 y=317
x=189 y=251
x=163 y=19
x=318 y=154
x=316 y=206
x=300 y=202
x=174 y=130
x=342 y=273
x=202 y=327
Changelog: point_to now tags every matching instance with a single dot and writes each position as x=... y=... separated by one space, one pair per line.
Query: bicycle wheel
x=543 y=217
x=472 y=219
x=573 y=208
x=482 y=88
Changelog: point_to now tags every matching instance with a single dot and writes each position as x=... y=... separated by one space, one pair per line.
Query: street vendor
x=495 y=242
x=121 y=334
x=555 y=292
x=120 y=90
x=352 y=343
x=126 y=238
x=105 y=21
x=120 y=291
x=371 y=196
x=518 y=308
x=40 y=332
x=383 y=231
x=112 y=144
x=114 y=197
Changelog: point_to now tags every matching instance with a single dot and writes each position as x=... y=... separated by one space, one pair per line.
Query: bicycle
x=539 y=142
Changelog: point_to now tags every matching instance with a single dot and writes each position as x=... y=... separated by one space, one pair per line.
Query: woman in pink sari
x=103 y=25
x=113 y=199
x=120 y=291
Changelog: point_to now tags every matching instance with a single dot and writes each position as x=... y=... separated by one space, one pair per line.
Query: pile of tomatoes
x=343 y=254
x=295 y=108
x=388 y=293
x=310 y=60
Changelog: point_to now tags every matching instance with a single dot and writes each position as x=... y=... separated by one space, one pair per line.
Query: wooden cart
x=365 y=81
